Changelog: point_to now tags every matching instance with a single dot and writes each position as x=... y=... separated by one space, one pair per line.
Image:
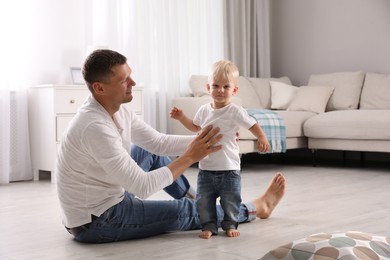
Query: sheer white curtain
x=165 y=42
x=247 y=38
x=15 y=163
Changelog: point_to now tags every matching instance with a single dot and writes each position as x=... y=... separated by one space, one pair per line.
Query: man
x=100 y=185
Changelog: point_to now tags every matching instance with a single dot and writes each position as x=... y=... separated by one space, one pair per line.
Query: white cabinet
x=51 y=107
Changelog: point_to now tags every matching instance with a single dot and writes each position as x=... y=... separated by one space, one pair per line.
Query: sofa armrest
x=190 y=106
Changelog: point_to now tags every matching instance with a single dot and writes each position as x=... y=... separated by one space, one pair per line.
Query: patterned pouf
x=341 y=245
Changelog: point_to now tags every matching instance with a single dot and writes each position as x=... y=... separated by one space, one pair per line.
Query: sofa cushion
x=282 y=94
x=350 y=124
x=312 y=99
x=263 y=89
x=294 y=121
x=348 y=86
x=376 y=92
x=248 y=95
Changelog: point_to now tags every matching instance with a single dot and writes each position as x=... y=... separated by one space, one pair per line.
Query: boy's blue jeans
x=135 y=218
x=227 y=186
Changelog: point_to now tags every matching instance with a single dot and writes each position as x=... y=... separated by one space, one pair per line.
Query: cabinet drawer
x=62 y=123
x=68 y=101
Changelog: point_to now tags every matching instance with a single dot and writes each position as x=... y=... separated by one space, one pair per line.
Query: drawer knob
x=72 y=101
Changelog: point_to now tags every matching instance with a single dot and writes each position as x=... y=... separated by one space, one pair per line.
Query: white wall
x=322 y=36
x=57 y=41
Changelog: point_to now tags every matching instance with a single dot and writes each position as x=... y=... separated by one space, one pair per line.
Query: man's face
x=119 y=87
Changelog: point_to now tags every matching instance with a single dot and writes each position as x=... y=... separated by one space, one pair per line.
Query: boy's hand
x=263 y=144
x=176 y=113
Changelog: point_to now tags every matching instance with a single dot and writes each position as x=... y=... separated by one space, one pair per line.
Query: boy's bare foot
x=233 y=233
x=206 y=234
x=267 y=202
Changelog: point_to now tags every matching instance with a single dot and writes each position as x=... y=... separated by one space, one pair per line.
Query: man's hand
x=200 y=147
x=204 y=143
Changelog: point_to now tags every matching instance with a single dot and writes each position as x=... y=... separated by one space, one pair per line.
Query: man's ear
x=98 y=88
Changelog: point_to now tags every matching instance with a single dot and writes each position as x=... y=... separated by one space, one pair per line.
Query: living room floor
x=327 y=198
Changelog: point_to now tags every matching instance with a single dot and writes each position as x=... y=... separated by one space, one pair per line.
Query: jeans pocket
x=233 y=181
x=110 y=216
x=234 y=174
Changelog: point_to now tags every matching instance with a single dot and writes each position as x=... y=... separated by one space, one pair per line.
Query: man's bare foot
x=206 y=234
x=267 y=202
x=233 y=233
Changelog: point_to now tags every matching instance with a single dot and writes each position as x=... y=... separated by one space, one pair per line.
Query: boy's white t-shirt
x=228 y=119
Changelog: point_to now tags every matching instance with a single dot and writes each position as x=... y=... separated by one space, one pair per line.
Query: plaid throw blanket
x=273 y=126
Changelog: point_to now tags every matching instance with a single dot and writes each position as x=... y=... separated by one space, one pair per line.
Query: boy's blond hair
x=224 y=69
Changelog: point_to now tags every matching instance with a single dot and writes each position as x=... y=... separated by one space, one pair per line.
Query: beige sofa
x=348 y=111
x=357 y=119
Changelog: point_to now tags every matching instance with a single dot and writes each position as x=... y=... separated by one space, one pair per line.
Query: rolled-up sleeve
x=155 y=142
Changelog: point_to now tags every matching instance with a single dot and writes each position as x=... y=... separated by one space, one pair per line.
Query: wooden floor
x=320 y=199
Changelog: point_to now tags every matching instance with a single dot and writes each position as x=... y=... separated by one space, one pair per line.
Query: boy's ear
x=235 y=90
x=208 y=87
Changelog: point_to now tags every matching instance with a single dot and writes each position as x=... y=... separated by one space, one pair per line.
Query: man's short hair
x=98 y=66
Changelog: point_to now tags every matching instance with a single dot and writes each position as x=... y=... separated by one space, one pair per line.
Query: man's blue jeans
x=135 y=218
x=149 y=162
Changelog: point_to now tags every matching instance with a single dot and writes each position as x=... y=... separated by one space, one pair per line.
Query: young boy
x=219 y=174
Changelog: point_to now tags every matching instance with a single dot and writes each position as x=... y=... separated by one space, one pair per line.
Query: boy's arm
x=187 y=122
x=262 y=141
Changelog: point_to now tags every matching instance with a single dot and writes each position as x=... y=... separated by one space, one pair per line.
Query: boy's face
x=221 y=90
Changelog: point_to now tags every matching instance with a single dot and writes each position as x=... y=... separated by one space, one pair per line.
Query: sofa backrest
x=262 y=87
x=254 y=92
x=247 y=93
x=376 y=92
x=347 y=88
